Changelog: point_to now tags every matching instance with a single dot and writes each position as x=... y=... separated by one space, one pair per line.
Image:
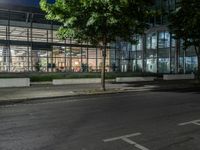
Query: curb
x=90 y=92
x=23 y=100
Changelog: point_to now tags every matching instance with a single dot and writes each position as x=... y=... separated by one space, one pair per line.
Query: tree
x=98 y=22
x=184 y=23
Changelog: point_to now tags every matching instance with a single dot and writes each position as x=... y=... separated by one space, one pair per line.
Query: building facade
x=29 y=43
x=157 y=51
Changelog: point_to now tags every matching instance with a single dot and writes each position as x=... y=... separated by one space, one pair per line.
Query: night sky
x=33 y=3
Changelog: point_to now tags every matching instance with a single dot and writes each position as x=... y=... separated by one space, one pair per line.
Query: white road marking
x=195 y=122
x=134 y=143
x=121 y=137
x=126 y=139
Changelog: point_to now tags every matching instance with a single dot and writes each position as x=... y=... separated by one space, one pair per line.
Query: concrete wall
x=179 y=77
x=76 y=81
x=134 y=79
x=14 y=82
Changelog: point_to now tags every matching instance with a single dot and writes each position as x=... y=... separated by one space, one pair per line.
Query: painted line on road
x=126 y=139
x=135 y=144
x=120 y=137
x=195 y=122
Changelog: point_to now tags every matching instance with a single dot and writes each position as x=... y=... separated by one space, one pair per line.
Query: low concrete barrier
x=134 y=79
x=14 y=82
x=178 y=77
x=76 y=81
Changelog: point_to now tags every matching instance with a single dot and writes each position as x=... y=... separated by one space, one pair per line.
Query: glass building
x=29 y=43
x=157 y=51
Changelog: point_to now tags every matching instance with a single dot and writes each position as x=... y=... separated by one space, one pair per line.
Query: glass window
x=152 y=41
x=151 y=65
x=3 y=32
x=4 y=15
x=140 y=43
x=191 y=64
x=112 y=54
x=163 y=53
x=164 y=65
x=39 y=60
x=133 y=47
x=39 y=35
x=19 y=61
x=164 y=40
x=4 y=58
x=190 y=52
x=18 y=33
x=18 y=16
x=92 y=53
x=139 y=65
x=76 y=59
x=173 y=42
x=59 y=53
x=92 y=65
x=50 y=36
x=139 y=54
x=151 y=53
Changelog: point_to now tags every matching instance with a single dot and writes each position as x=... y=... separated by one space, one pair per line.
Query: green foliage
x=37 y=66
x=94 y=20
x=109 y=75
x=98 y=22
x=185 y=21
x=185 y=25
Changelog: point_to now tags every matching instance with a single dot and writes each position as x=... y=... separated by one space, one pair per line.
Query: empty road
x=127 y=121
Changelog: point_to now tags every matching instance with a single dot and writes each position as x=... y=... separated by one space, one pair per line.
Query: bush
x=42 y=77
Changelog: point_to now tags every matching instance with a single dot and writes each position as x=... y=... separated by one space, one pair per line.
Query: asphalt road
x=128 y=121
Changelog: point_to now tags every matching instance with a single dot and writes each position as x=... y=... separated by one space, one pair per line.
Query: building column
x=9 y=59
x=177 y=56
x=144 y=53
x=70 y=61
x=96 y=59
x=170 y=54
x=47 y=51
x=157 y=53
x=52 y=47
x=184 y=61
x=28 y=48
x=129 y=58
x=81 y=57
x=87 y=59
x=65 y=57
x=136 y=59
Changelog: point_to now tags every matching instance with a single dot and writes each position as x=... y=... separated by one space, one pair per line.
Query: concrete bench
x=179 y=77
x=134 y=79
x=14 y=82
x=76 y=81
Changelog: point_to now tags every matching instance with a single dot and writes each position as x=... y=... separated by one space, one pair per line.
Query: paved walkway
x=41 y=91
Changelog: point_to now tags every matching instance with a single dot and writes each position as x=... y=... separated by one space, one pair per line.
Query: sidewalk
x=42 y=91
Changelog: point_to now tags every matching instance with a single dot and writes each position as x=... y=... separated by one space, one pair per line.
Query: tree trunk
x=198 y=67
x=103 y=70
x=103 y=65
x=197 y=50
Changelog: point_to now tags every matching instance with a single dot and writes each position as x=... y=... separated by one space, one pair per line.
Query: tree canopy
x=94 y=20
x=184 y=23
x=98 y=22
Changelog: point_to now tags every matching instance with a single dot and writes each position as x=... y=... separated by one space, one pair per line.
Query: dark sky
x=34 y=3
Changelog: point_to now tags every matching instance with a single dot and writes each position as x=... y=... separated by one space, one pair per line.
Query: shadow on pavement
x=181 y=86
